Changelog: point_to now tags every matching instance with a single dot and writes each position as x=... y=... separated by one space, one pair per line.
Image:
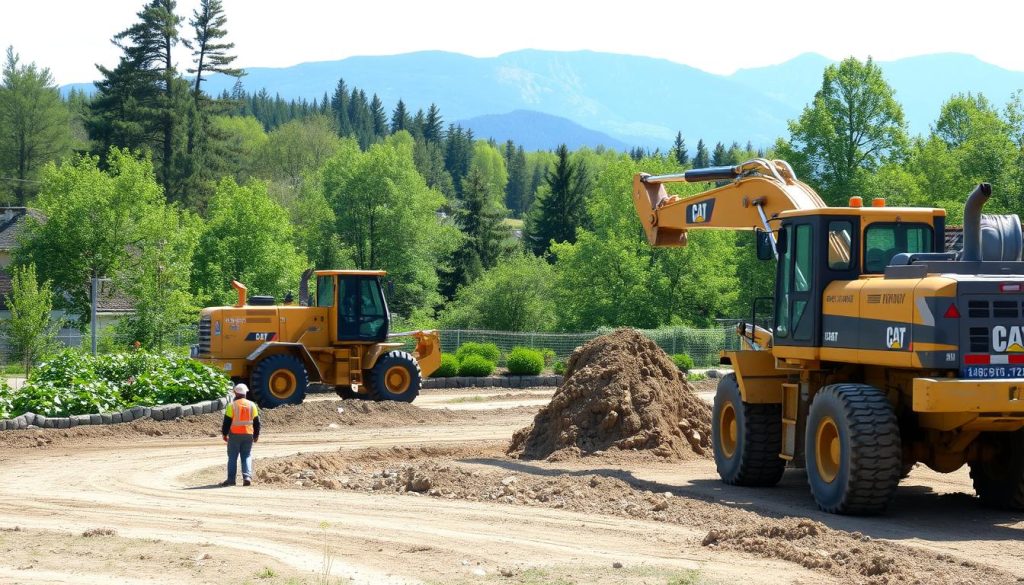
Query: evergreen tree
x=433 y=129
x=210 y=54
x=339 y=103
x=515 y=189
x=429 y=159
x=480 y=221
x=148 y=46
x=720 y=156
x=361 y=117
x=679 y=152
x=34 y=126
x=400 y=119
x=458 y=154
x=702 y=159
x=562 y=209
x=380 y=119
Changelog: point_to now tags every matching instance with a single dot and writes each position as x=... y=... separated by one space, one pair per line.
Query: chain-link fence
x=107 y=341
x=703 y=345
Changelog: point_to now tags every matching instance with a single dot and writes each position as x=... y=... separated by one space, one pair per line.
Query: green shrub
x=475 y=365
x=523 y=361
x=695 y=376
x=6 y=400
x=449 y=367
x=559 y=368
x=683 y=361
x=488 y=351
x=76 y=383
x=549 y=357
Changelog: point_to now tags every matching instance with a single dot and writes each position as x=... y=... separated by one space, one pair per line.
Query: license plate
x=988 y=372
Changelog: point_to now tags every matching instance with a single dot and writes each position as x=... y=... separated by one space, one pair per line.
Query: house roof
x=12 y=224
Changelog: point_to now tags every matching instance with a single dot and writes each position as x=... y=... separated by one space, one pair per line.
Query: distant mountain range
x=543 y=98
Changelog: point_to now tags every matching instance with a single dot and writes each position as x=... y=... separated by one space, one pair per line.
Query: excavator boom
x=760 y=190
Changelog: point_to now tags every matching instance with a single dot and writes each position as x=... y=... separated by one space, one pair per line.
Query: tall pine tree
x=701 y=160
x=562 y=209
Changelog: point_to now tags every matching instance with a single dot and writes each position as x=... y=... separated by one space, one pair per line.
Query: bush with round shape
x=523 y=361
x=559 y=368
x=475 y=365
x=488 y=351
x=549 y=357
x=683 y=361
x=449 y=367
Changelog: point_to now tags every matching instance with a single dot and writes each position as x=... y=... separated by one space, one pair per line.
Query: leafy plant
x=559 y=368
x=525 y=361
x=476 y=365
x=488 y=351
x=76 y=383
x=549 y=357
x=449 y=367
x=683 y=361
x=6 y=400
x=695 y=376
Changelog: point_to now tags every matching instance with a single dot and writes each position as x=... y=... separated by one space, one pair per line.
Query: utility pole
x=95 y=296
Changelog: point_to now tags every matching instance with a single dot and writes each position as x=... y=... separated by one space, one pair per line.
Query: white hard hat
x=241 y=389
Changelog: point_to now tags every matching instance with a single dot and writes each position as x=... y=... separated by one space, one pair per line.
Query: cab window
x=325 y=291
x=882 y=241
x=840 y=240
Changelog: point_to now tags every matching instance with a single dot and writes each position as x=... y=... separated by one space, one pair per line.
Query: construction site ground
x=425 y=493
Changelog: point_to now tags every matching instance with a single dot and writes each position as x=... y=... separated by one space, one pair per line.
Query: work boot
x=226 y=483
x=246 y=482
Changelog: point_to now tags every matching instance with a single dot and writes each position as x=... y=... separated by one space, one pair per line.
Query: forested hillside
x=172 y=191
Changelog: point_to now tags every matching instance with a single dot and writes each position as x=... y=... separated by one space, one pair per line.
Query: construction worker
x=241 y=428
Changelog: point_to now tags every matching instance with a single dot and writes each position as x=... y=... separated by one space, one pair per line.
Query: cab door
x=362 y=311
x=797 y=290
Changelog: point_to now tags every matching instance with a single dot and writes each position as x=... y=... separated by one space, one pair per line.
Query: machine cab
x=819 y=247
x=357 y=309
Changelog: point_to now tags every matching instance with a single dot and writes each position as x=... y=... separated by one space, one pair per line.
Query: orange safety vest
x=242 y=412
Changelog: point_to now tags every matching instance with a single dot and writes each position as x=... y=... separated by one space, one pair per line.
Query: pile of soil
x=318 y=415
x=621 y=391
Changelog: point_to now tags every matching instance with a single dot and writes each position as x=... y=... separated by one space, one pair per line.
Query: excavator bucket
x=648 y=197
x=428 y=350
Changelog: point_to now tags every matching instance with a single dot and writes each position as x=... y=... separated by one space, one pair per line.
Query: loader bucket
x=428 y=350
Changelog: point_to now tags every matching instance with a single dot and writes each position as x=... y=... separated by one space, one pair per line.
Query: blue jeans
x=239 y=445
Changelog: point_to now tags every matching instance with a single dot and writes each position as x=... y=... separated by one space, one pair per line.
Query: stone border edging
x=492 y=382
x=160 y=413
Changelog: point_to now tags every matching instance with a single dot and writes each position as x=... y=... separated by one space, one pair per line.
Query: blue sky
x=71 y=36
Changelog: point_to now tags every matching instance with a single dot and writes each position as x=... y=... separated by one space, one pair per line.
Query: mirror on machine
x=764 y=244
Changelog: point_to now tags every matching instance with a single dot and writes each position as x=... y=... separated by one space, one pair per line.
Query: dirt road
x=160 y=488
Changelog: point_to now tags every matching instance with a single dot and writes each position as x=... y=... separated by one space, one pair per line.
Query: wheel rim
x=397 y=380
x=828 y=452
x=283 y=384
x=727 y=431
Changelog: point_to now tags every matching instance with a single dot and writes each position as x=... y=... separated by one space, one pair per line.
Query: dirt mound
x=313 y=415
x=621 y=391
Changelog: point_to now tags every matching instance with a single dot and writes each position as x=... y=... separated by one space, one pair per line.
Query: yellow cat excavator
x=878 y=350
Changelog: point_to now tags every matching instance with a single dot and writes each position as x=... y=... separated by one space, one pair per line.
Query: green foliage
x=95 y=219
x=696 y=376
x=247 y=238
x=449 y=367
x=561 y=208
x=488 y=351
x=853 y=127
x=683 y=361
x=76 y=383
x=388 y=216
x=475 y=365
x=559 y=368
x=516 y=295
x=524 y=361
x=297 y=148
x=549 y=356
x=6 y=400
x=34 y=127
x=30 y=332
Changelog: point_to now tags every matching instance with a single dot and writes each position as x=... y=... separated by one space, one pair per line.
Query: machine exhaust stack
x=242 y=290
x=972 y=221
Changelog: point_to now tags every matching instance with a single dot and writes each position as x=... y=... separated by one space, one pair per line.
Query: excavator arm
x=759 y=190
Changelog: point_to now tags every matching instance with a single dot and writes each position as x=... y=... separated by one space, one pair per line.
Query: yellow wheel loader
x=338 y=338
x=878 y=350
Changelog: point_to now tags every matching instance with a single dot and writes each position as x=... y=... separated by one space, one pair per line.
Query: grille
x=204 y=336
x=1006 y=309
x=978 y=309
x=979 y=339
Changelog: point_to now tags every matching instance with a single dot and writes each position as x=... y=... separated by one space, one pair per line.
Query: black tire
x=748 y=456
x=859 y=464
x=345 y=392
x=394 y=366
x=999 y=479
x=271 y=371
